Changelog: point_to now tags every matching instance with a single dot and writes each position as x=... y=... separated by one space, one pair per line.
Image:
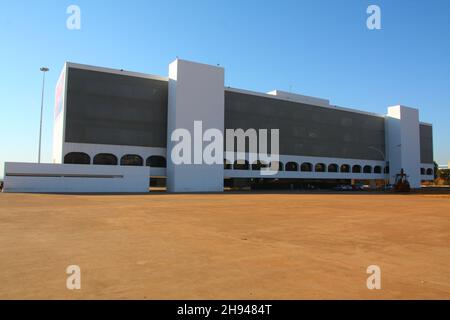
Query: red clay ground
x=225 y=246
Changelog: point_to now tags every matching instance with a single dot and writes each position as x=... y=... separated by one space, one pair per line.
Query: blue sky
x=319 y=48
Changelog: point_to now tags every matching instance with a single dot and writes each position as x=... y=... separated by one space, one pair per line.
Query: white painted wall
x=196 y=92
x=59 y=119
x=73 y=178
x=403 y=143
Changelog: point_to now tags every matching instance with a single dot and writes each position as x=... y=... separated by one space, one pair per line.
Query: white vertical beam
x=196 y=93
x=59 y=117
x=403 y=143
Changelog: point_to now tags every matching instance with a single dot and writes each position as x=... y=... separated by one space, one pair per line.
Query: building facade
x=114 y=117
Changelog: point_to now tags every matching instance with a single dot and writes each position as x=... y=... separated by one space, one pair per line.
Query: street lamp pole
x=44 y=70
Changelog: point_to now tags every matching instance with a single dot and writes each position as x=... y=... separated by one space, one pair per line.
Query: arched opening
x=77 y=158
x=106 y=159
x=367 y=169
x=356 y=168
x=258 y=165
x=131 y=160
x=239 y=165
x=156 y=162
x=377 y=169
x=291 y=166
x=227 y=164
x=333 y=167
x=345 y=168
x=422 y=171
x=306 y=167
x=319 y=167
x=429 y=171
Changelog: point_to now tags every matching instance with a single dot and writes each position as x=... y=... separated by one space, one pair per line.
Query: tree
x=436 y=170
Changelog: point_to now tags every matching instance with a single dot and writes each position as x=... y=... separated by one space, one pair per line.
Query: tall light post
x=385 y=162
x=44 y=70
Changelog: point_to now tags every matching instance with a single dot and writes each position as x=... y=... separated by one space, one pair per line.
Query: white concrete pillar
x=403 y=143
x=59 y=117
x=196 y=93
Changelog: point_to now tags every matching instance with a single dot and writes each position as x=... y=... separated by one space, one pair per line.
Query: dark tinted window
x=77 y=158
x=105 y=108
x=105 y=159
x=131 y=160
x=426 y=144
x=156 y=162
x=307 y=130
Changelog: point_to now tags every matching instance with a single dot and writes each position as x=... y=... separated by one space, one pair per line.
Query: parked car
x=358 y=187
x=343 y=187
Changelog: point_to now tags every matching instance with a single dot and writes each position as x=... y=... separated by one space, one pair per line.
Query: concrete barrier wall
x=74 y=178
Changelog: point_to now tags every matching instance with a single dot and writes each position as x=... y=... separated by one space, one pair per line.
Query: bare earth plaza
x=225 y=246
x=225 y=159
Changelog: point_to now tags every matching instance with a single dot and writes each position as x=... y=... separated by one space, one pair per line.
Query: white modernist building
x=111 y=125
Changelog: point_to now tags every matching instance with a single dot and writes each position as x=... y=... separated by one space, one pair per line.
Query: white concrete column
x=196 y=93
x=59 y=117
x=403 y=143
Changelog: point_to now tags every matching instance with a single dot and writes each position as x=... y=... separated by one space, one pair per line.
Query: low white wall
x=74 y=178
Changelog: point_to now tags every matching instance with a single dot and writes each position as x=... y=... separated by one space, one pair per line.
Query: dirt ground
x=225 y=246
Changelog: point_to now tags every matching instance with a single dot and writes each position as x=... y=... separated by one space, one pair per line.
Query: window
x=227 y=164
x=356 y=168
x=131 y=160
x=106 y=159
x=333 y=167
x=306 y=166
x=257 y=165
x=345 y=168
x=77 y=158
x=291 y=166
x=386 y=170
x=377 y=169
x=241 y=166
x=422 y=171
x=429 y=171
x=367 y=169
x=320 y=167
x=156 y=162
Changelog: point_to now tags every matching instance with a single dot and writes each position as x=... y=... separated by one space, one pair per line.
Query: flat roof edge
x=333 y=107
x=270 y=95
x=115 y=71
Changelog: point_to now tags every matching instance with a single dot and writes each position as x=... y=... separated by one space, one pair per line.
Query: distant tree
x=445 y=174
x=436 y=170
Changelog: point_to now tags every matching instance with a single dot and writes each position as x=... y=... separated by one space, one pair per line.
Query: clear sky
x=319 y=48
